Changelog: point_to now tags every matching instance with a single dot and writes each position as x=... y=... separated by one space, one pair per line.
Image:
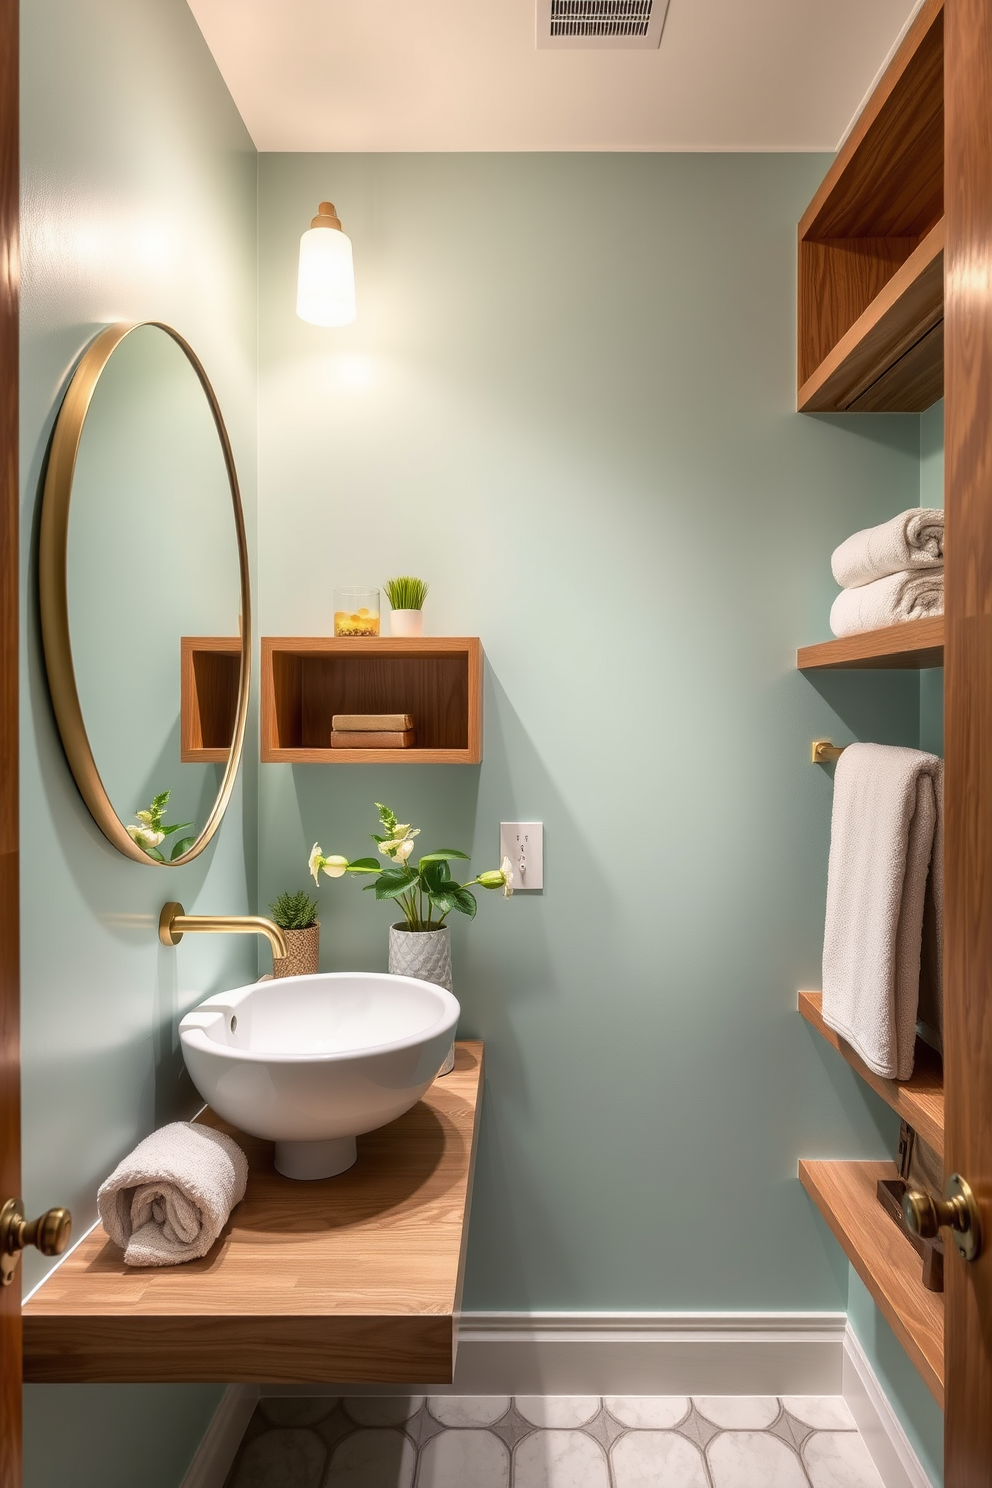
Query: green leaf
x=388 y=818
x=442 y=853
x=444 y=901
x=159 y=801
x=392 y=882
x=464 y=902
x=364 y=865
x=435 y=876
x=183 y=845
x=153 y=852
x=179 y=827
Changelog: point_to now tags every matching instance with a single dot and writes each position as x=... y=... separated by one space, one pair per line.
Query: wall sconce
x=325 y=293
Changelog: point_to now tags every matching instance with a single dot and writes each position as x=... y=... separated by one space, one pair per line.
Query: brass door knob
x=49 y=1233
x=957 y=1211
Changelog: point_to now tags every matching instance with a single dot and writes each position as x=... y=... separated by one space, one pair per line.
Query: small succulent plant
x=294 y=911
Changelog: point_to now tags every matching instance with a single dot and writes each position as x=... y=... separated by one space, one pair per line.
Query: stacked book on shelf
x=373 y=731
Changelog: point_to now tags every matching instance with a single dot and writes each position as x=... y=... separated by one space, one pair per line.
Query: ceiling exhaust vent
x=600 y=24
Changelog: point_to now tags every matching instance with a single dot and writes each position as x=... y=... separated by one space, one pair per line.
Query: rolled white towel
x=900 y=596
x=913 y=540
x=169 y=1200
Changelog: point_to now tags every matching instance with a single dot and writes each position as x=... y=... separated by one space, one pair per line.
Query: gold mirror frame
x=54 y=594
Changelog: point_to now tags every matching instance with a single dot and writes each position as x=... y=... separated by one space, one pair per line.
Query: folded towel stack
x=884 y=903
x=373 y=731
x=169 y=1200
x=890 y=573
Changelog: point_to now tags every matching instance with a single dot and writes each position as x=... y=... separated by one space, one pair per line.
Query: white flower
x=506 y=868
x=335 y=866
x=400 y=845
x=144 y=836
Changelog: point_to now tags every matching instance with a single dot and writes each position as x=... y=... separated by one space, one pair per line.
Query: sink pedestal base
x=316 y=1159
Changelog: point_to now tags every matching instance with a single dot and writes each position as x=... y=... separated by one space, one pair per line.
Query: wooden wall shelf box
x=871 y=246
x=210 y=670
x=353 y=1279
x=844 y=1193
x=912 y=646
x=306 y=680
x=920 y=1100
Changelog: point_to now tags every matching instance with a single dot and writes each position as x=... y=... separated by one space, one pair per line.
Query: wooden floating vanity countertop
x=356 y=1278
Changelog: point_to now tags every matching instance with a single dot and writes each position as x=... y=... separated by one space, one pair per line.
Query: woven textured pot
x=426 y=955
x=304 y=953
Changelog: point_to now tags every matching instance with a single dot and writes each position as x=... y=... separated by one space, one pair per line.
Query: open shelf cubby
x=210 y=670
x=844 y=1193
x=918 y=1100
x=871 y=246
x=913 y=645
x=306 y=680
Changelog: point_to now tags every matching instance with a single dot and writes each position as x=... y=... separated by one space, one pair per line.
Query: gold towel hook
x=822 y=752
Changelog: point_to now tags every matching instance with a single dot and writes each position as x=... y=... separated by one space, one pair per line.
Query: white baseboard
x=219 y=1446
x=635 y=1353
x=882 y=1431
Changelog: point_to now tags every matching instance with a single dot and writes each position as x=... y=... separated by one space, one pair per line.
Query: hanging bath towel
x=885 y=841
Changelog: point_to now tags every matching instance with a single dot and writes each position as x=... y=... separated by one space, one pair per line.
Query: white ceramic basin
x=311 y=1062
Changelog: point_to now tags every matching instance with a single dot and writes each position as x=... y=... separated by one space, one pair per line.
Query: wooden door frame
x=10 y=1113
x=968 y=660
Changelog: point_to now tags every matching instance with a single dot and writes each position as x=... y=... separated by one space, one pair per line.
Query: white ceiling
x=466 y=75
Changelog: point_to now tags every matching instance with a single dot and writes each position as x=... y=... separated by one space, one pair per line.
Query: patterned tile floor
x=481 y=1441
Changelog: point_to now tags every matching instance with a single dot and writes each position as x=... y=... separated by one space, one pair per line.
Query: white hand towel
x=888 y=804
x=169 y=1200
x=914 y=539
x=901 y=596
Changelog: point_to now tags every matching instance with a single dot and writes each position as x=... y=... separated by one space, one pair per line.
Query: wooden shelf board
x=887 y=179
x=889 y=360
x=307 y=679
x=919 y=1100
x=844 y=1193
x=210 y=670
x=912 y=646
x=354 y=1279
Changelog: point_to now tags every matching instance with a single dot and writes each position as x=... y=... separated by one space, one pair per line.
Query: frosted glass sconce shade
x=325 y=293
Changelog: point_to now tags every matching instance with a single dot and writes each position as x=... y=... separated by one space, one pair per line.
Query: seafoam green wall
x=569 y=403
x=139 y=201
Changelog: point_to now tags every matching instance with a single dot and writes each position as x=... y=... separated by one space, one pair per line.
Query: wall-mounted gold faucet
x=174 y=923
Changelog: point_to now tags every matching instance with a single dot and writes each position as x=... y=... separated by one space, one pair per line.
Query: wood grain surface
x=210 y=671
x=10 y=1102
x=844 y=1193
x=919 y=1100
x=352 y=1279
x=887 y=179
x=968 y=780
x=307 y=679
x=911 y=646
x=876 y=349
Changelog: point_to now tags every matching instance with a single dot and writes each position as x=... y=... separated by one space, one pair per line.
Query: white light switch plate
x=523 y=844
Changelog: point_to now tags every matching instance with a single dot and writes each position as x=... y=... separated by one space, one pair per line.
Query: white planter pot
x=424 y=954
x=406 y=623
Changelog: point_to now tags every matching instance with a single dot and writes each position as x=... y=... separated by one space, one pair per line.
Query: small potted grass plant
x=406 y=596
x=296 y=916
x=419 y=944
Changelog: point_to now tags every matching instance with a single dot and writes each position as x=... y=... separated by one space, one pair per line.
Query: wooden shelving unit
x=844 y=1193
x=912 y=646
x=306 y=680
x=919 y=1100
x=354 y=1278
x=210 y=670
x=871 y=246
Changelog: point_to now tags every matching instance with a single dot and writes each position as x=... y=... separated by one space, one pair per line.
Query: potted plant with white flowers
x=419 y=944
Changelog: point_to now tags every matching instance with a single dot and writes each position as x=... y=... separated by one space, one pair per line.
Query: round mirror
x=145 y=603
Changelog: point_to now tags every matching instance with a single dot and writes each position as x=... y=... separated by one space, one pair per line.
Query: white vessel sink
x=311 y=1062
